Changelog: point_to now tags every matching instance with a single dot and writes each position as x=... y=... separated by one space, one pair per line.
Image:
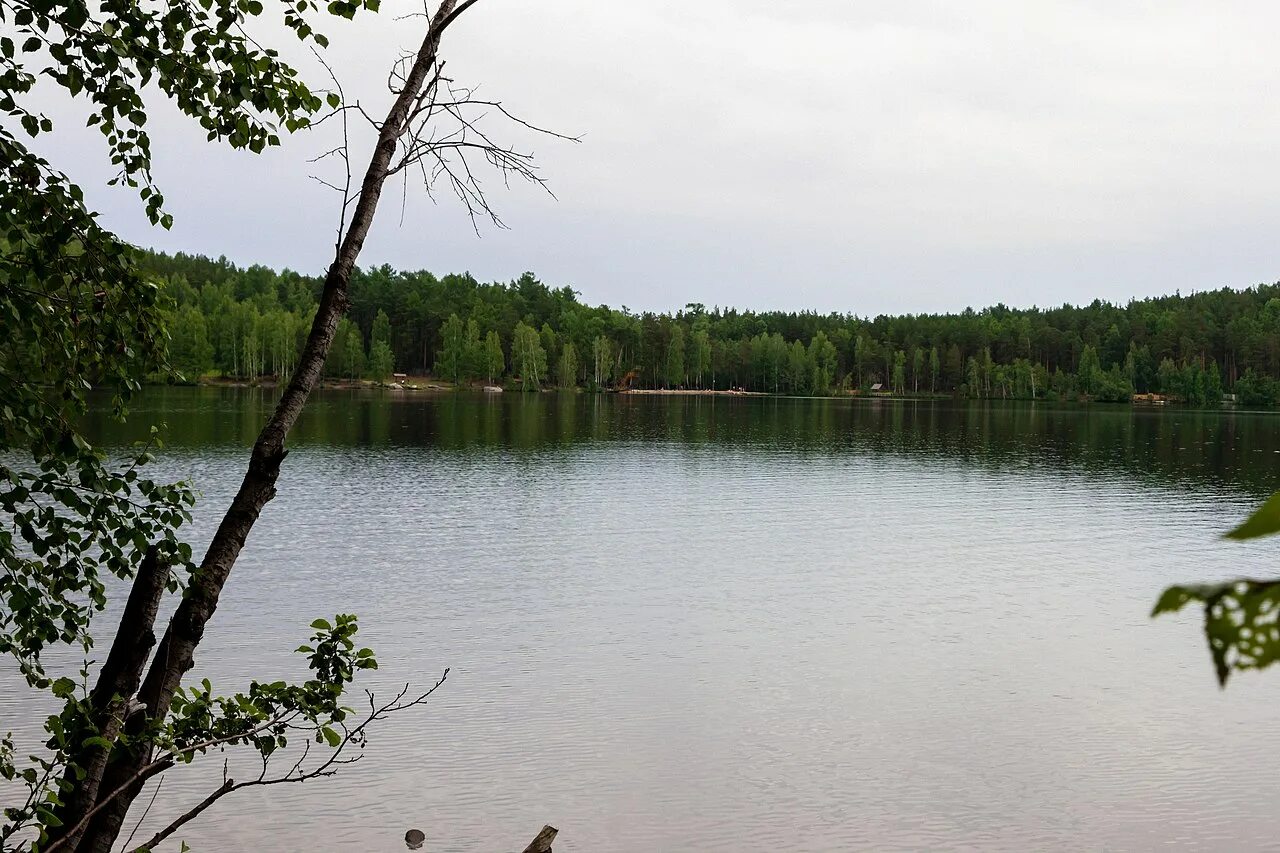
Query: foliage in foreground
x=1241 y=617
x=138 y=719
x=80 y=313
x=262 y=718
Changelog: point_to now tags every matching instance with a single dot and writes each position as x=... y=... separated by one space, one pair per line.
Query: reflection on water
x=703 y=624
x=1166 y=446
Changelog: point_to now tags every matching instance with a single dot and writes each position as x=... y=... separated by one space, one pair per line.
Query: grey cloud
x=866 y=157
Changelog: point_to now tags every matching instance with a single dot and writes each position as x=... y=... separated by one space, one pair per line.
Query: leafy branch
x=1241 y=617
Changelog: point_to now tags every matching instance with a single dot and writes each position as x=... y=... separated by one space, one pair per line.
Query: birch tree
x=84 y=313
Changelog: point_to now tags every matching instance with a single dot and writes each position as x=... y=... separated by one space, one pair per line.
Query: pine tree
x=380 y=361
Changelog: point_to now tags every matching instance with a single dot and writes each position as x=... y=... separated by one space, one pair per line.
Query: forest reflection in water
x=1239 y=449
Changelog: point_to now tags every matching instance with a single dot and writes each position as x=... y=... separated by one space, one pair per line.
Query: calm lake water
x=714 y=624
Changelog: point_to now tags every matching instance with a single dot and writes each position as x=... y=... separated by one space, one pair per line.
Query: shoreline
x=695 y=392
x=430 y=385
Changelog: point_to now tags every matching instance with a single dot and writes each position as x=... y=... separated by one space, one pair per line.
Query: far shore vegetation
x=233 y=324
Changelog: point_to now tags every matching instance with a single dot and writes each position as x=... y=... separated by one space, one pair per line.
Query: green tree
x=528 y=358
x=353 y=360
x=1090 y=371
x=336 y=365
x=798 y=371
x=190 y=351
x=474 y=361
x=953 y=368
x=280 y=335
x=1257 y=391
x=567 y=366
x=899 y=372
x=495 y=361
x=935 y=368
x=550 y=341
x=381 y=361
x=1212 y=385
x=601 y=360
x=452 y=358
x=699 y=355
x=863 y=357
x=251 y=349
x=823 y=361
x=675 y=358
x=381 y=332
x=1168 y=378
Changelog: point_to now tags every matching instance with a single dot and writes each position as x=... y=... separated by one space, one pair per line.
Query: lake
x=716 y=624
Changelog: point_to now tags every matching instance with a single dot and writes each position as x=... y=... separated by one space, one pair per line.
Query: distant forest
x=249 y=323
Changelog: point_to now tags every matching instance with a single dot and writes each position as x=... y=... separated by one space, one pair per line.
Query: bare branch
x=150 y=803
x=442 y=130
x=296 y=773
x=159 y=766
x=342 y=150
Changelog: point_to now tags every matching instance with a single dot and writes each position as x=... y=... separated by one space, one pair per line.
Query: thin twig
x=295 y=773
x=146 y=811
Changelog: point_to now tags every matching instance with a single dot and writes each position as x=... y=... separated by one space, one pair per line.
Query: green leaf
x=322 y=625
x=63 y=687
x=1175 y=598
x=331 y=736
x=1241 y=622
x=1264 y=521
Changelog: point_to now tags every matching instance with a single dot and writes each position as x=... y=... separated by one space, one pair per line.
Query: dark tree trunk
x=117 y=682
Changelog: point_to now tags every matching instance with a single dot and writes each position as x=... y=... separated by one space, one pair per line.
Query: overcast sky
x=864 y=157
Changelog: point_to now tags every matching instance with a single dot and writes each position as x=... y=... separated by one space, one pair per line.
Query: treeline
x=250 y=323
